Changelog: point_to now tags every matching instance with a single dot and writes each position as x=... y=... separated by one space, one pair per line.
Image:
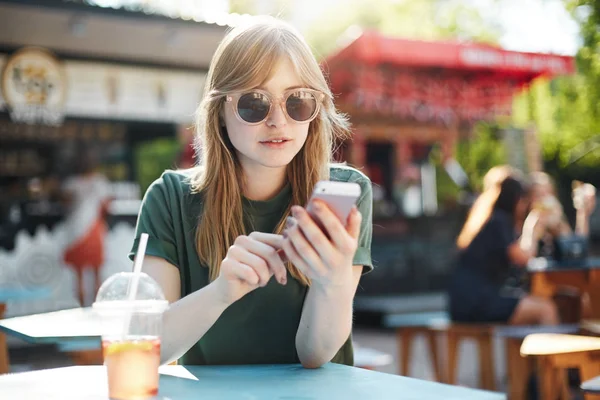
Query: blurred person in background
x=488 y=245
x=86 y=196
x=573 y=304
x=497 y=174
x=544 y=198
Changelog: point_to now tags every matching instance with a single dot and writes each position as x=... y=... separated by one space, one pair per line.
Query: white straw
x=133 y=285
x=137 y=266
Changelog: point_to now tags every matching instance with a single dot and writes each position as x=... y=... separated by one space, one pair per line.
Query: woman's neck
x=264 y=184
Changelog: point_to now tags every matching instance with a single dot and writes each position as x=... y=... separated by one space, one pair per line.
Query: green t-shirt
x=261 y=327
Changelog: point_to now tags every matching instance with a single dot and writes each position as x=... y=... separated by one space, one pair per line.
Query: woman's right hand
x=249 y=264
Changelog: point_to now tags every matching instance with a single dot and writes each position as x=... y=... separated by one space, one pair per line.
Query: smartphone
x=339 y=196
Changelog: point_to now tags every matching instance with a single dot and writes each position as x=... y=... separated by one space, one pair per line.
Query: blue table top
x=332 y=381
x=11 y=293
x=54 y=327
x=591 y=386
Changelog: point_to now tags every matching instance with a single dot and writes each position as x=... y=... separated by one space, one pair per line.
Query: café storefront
x=64 y=91
x=75 y=77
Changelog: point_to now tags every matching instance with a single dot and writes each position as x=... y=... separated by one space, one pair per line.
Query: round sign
x=34 y=87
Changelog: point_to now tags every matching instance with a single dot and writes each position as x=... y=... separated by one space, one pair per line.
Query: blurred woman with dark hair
x=488 y=246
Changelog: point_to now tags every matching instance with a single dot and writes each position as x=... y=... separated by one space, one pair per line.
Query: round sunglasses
x=255 y=106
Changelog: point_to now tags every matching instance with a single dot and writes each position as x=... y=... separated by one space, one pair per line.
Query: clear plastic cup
x=131 y=330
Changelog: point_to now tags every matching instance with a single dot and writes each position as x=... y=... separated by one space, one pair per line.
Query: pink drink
x=132 y=367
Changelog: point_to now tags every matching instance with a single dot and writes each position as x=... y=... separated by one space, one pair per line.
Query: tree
x=417 y=19
x=566 y=110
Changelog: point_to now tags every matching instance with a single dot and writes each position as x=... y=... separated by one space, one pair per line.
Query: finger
x=303 y=248
x=294 y=257
x=354 y=220
x=243 y=255
x=311 y=231
x=332 y=224
x=244 y=272
x=271 y=239
x=268 y=254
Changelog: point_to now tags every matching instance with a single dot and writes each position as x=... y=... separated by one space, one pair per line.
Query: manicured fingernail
x=283 y=281
x=295 y=211
x=290 y=222
x=285 y=234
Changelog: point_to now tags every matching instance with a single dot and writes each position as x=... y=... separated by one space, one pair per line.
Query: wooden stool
x=483 y=335
x=518 y=368
x=555 y=353
x=407 y=326
x=431 y=324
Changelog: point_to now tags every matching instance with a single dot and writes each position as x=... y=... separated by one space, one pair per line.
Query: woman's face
x=540 y=191
x=274 y=142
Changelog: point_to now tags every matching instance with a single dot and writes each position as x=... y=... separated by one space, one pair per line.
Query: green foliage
x=483 y=151
x=152 y=158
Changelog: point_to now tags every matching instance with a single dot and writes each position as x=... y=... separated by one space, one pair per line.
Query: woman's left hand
x=324 y=256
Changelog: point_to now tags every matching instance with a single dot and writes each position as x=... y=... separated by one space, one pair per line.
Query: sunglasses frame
x=234 y=98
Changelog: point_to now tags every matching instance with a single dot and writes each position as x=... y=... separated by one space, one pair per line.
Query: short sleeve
x=365 y=206
x=155 y=219
x=500 y=234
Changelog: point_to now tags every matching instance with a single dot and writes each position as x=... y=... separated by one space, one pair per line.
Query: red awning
x=373 y=48
x=434 y=81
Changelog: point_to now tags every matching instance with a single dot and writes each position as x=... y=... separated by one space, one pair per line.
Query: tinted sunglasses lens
x=253 y=107
x=301 y=105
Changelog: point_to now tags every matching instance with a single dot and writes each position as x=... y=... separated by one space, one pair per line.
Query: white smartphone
x=339 y=196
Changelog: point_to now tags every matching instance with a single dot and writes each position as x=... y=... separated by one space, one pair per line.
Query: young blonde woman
x=266 y=128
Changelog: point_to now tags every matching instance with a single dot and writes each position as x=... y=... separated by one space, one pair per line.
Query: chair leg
x=486 y=362
x=562 y=377
x=435 y=359
x=452 y=344
x=4 y=363
x=547 y=378
x=404 y=340
x=518 y=370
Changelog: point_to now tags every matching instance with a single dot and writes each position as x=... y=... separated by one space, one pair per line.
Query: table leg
x=3 y=346
x=519 y=370
x=547 y=378
x=404 y=339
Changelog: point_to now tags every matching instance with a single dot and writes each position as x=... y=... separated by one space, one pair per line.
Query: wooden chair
x=519 y=369
x=554 y=353
x=407 y=326
x=433 y=324
x=483 y=335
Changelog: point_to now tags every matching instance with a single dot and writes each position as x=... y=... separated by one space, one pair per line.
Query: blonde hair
x=245 y=59
x=496 y=175
x=479 y=214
